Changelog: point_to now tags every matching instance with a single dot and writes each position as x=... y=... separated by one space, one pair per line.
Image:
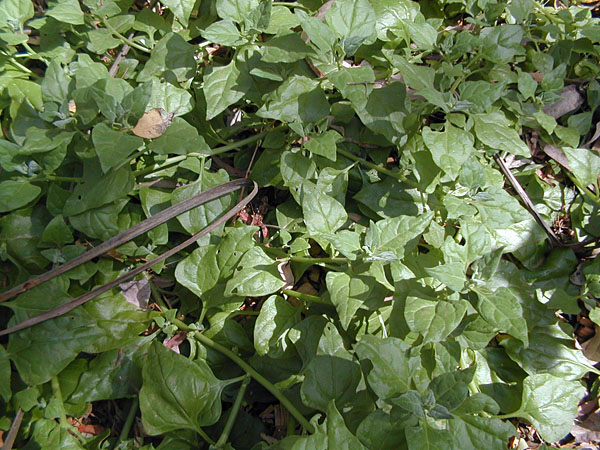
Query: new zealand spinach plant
x=387 y=289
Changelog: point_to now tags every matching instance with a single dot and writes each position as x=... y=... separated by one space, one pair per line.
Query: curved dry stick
x=527 y=203
x=129 y=234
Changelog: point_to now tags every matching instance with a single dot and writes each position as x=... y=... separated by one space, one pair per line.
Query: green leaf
x=49 y=434
x=177 y=392
x=333 y=433
x=5 y=370
x=181 y=9
x=171 y=54
x=318 y=32
x=433 y=319
x=56 y=84
x=223 y=86
x=170 y=98
x=102 y=379
x=258 y=275
x=57 y=232
x=424 y=437
x=452 y=388
x=353 y=21
x=199 y=272
x=16 y=194
x=451 y=274
x=272 y=325
x=223 y=32
x=329 y=378
x=180 y=138
x=389 y=198
x=298 y=99
x=502 y=309
x=285 y=49
x=526 y=85
x=502 y=43
x=348 y=294
x=415 y=76
x=550 y=404
x=41 y=352
x=198 y=218
x=324 y=144
x=550 y=351
x=584 y=164
x=15 y=12
x=475 y=431
x=67 y=11
x=322 y=213
x=21 y=230
x=112 y=146
x=392 y=235
x=450 y=148
x=390 y=374
x=98 y=190
x=494 y=130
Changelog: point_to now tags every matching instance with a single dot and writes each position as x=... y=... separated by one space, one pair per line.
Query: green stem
x=233 y=412
x=155 y=294
x=62 y=415
x=135 y=403
x=305 y=297
x=311 y=260
x=250 y=371
x=291 y=5
x=595 y=197
x=123 y=38
x=205 y=436
x=243 y=313
x=379 y=169
x=58 y=178
x=217 y=151
x=17 y=64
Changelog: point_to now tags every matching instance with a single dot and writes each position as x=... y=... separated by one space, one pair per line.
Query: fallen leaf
x=557 y=155
x=153 y=123
x=570 y=100
x=285 y=271
x=136 y=292
x=587 y=430
x=173 y=343
x=591 y=347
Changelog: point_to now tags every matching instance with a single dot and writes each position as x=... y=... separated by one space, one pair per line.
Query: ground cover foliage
x=385 y=290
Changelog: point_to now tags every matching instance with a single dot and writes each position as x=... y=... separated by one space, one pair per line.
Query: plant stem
x=217 y=151
x=379 y=169
x=62 y=415
x=123 y=38
x=59 y=178
x=309 y=259
x=233 y=412
x=305 y=297
x=250 y=371
x=291 y=5
x=135 y=403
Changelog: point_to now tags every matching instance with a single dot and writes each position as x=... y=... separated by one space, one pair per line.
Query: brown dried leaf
x=153 y=123
x=173 y=343
x=591 y=347
x=285 y=271
x=557 y=155
x=570 y=100
x=136 y=292
x=587 y=430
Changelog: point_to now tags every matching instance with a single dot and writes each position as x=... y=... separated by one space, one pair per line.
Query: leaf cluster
x=386 y=289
